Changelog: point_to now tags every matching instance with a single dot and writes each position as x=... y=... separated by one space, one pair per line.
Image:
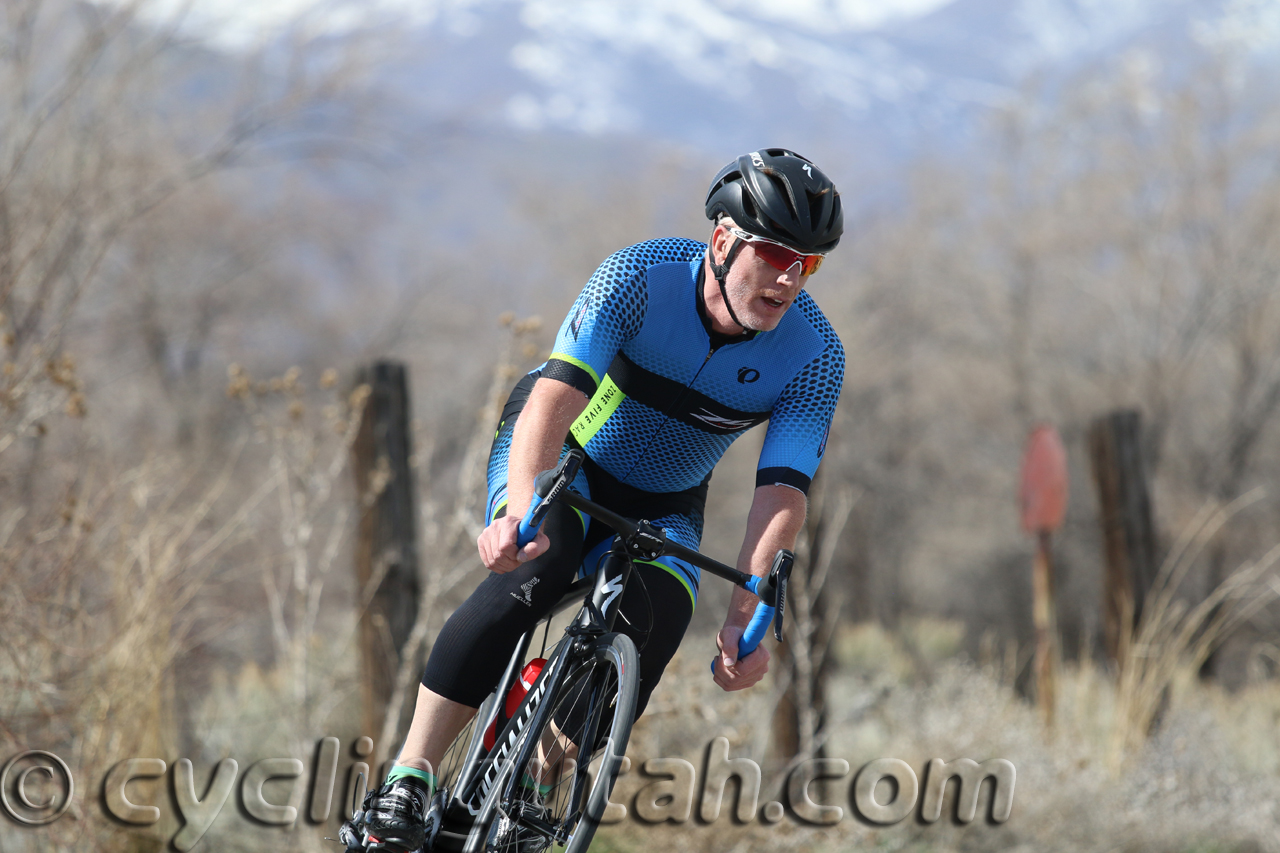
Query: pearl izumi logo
x=748 y=374
x=527 y=589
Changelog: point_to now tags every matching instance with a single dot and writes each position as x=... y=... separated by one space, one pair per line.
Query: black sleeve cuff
x=570 y=374
x=782 y=477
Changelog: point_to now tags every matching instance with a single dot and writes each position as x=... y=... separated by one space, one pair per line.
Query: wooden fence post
x=1128 y=533
x=386 y=548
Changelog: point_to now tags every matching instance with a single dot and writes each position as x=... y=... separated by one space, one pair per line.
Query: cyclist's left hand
x=734 y=674
x=497 y=545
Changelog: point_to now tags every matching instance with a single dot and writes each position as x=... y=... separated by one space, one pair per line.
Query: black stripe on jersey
x=693 y=408
x=570 y=374
x=782 y=476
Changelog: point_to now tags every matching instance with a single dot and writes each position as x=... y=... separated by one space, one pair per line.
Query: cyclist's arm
x=777 y=516
x=607 y=313
x=539 y=435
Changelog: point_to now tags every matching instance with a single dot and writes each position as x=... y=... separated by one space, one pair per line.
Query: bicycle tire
x=597 y=694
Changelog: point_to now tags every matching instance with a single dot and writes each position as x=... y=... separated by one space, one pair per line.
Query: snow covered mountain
x=728 y=74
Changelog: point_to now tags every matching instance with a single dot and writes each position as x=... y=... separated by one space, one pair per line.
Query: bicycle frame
x=484 y=782
x=595 y=618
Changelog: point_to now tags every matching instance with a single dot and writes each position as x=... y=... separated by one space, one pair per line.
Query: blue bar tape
x=529 y=530
x=756 y=628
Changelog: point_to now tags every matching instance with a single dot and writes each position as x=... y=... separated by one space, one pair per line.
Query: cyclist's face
x=758 y=292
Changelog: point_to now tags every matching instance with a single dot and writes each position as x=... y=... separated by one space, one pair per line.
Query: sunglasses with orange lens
x=778 y=256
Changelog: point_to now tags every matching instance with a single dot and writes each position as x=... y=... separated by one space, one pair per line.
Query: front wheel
x=562 y=788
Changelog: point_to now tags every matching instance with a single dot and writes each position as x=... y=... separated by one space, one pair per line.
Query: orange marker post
x=1043 y=501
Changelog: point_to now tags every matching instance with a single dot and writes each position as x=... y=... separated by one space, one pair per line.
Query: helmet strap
x=721 y=271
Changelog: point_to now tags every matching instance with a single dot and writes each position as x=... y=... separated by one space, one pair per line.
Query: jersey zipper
x=712 y=349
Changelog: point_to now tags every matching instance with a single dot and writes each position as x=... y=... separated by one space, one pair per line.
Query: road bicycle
x=546 y=778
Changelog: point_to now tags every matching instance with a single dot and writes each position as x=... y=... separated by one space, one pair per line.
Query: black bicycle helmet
x=777 y=194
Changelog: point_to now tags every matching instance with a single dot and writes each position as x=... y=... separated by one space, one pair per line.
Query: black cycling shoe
x=392 y=819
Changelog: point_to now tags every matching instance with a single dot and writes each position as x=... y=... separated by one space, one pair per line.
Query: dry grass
x=1205 y=780
x=110 y=590
x=1142 y=757
x=1172 y=638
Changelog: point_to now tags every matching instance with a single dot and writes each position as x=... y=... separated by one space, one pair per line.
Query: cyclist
x=673 y=349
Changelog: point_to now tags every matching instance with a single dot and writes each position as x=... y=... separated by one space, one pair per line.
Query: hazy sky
x=237 y=22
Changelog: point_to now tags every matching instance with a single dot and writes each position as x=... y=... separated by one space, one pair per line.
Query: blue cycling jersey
x=669 y=395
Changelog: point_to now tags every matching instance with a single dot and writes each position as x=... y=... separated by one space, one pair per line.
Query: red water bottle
x=515 y=696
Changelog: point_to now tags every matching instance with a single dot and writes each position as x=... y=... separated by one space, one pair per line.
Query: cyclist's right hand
x=497 y=545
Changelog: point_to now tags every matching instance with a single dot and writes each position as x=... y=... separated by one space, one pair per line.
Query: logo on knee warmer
x=527 y=589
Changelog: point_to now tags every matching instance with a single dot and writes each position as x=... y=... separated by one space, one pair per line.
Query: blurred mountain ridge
x=720 y=76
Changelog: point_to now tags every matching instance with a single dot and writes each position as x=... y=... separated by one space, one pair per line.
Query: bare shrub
x=1173 y=638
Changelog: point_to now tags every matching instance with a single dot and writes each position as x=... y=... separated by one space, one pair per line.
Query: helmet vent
x=815 y=206
x=778 y=230
x=784 y=190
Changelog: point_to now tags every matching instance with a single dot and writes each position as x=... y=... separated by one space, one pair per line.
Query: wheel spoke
x=584 y=713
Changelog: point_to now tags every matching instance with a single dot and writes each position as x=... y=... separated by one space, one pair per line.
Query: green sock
x=532 y=784
x=400 y=771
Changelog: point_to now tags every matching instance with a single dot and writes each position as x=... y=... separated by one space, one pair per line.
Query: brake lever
x=780 y=574
x=547 y=486
x=772 y=590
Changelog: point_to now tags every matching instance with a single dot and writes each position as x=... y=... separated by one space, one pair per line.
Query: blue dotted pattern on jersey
x=496 y=474
x=630 y=431
x=668 y=456
x=801 y=418
x=649 y=314
x=613 y=306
